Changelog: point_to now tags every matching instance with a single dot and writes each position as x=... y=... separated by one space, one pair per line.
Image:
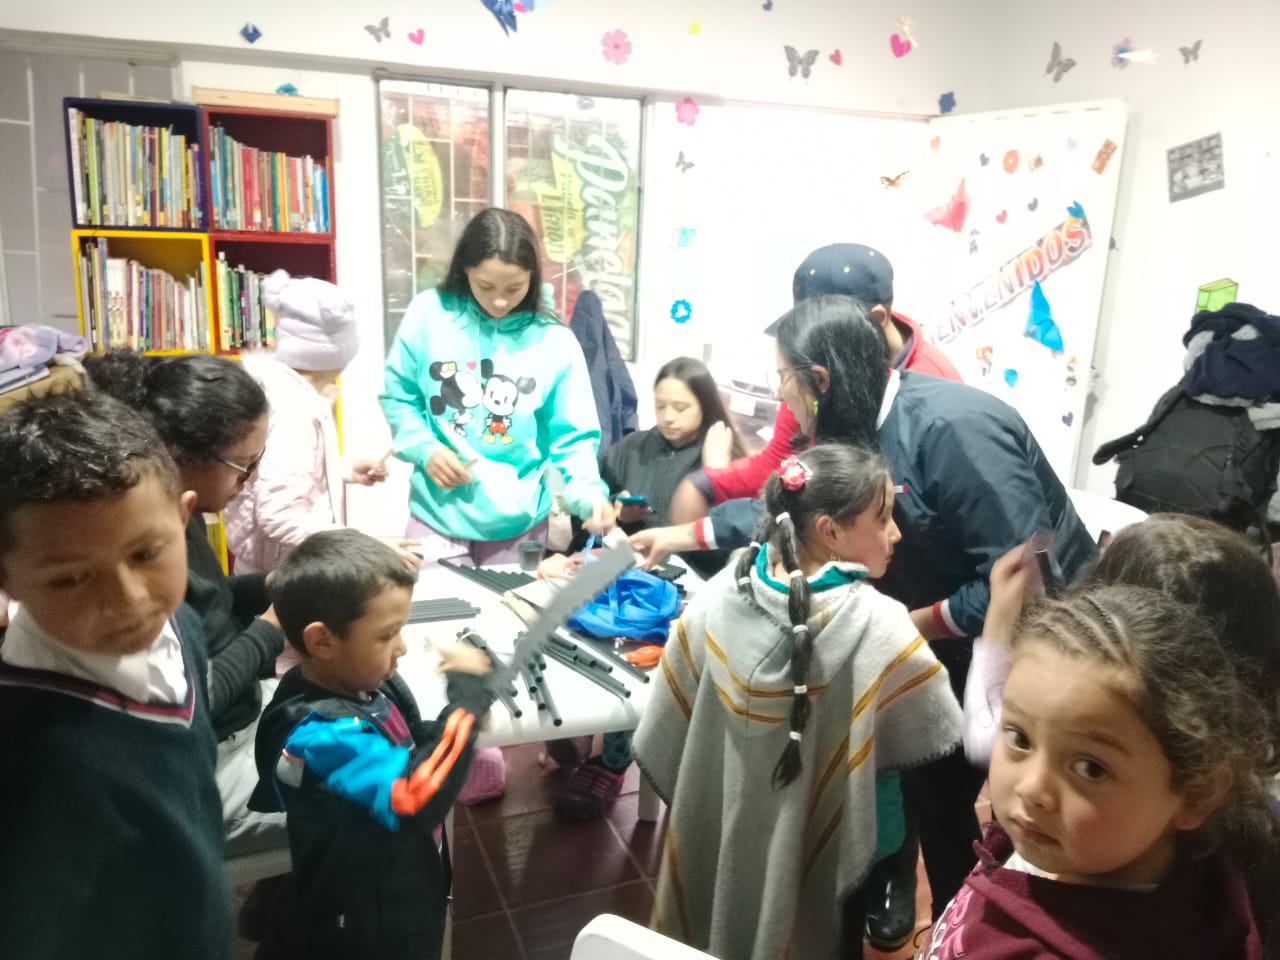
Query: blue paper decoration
x=1040 y=323
x=681 y=311
x=1011 y=377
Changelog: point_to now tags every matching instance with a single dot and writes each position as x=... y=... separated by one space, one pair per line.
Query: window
x=571 y=168
x=572 y=171
x=435 y=177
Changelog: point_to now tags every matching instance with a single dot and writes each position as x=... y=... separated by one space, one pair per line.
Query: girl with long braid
x=786 y=685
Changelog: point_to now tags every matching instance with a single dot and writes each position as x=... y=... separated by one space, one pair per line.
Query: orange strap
x=410 y=794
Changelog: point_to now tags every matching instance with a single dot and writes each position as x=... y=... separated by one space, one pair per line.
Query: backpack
x=1197 y=458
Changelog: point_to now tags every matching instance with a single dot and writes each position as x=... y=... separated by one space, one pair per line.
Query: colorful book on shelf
x=130 y=175
x=128 y=304
x=244 y=323
x=263 y=190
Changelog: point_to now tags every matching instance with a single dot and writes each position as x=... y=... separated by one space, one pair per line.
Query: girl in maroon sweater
x=1128 y=787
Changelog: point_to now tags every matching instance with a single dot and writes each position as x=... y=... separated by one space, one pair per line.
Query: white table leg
x=649 y=807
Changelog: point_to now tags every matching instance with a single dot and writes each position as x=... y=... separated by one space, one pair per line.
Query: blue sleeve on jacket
x=734 y=521
x=983 y=481
x=353 y=759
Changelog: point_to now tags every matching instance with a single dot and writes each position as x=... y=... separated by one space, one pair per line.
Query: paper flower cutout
x=947 y=102
x=250 y=33
x=687 y=111
x=616 y=47
x=1011 y=161
x=681 y=311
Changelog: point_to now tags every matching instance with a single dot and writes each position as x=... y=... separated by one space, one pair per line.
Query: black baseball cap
x=842 y=269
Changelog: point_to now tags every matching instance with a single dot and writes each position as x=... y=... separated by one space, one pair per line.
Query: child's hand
x=463 y=658
x=1013 y=578
x=368 y=472
x=717 y=446
x=446 y=470
x=631 y=512
x=602 y=520
x=655 y=545
x=403 y=546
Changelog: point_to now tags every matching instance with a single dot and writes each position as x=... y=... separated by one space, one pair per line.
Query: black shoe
x=891 y=899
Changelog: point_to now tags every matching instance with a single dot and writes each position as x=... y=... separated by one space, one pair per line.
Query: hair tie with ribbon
x=797 y=736
x=793 y=473
x=801 y=689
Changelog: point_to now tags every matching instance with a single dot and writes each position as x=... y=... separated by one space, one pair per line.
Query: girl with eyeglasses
x=212 y=416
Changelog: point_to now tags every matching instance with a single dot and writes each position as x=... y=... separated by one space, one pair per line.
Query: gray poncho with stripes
x=754 y=872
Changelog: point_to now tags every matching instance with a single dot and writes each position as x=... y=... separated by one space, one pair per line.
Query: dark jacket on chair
x=611 y=384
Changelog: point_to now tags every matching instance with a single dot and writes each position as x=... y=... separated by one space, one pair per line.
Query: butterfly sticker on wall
x=1058 y=64
x=1041 y=326
x=1191 y=53
x=890 y=183
x=683 y=165
x=380 y=30
x=802 y=65
x=504 y=12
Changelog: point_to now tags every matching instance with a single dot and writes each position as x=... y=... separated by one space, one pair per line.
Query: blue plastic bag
x=637 y=605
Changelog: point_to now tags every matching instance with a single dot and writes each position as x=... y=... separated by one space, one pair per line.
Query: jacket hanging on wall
x=614 y=390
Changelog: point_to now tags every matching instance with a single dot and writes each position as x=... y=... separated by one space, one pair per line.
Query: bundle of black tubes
x=450 y=608
x=507 y=697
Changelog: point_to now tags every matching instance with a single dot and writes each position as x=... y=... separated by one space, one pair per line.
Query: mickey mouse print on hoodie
x=511 y=395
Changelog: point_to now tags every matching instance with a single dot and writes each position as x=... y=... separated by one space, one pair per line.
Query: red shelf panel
x=268 y=236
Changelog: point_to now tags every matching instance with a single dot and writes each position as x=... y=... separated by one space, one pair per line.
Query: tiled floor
x=525 y=882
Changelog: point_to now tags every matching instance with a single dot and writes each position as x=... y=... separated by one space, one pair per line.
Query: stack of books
x=134 y=176
x=126 y=304
x=243 y=322
x=254 y=189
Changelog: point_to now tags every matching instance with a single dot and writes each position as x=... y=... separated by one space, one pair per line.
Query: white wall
x=1165 y=251
x=736 y=53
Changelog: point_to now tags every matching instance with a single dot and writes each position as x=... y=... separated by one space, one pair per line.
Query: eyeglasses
x=775 y=380
x=246 y=471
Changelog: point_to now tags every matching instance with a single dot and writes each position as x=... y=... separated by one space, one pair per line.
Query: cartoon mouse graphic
x=459 y=391
x=499 y=400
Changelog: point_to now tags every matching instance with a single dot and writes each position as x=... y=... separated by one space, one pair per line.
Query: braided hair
x=835 y=480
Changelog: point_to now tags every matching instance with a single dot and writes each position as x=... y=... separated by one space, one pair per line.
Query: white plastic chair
x=608 y=937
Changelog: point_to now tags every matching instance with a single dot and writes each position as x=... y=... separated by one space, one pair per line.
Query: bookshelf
x=178 y=210
x=152 y=193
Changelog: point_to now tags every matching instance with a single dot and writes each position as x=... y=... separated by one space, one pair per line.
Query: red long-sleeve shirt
x=745 y=477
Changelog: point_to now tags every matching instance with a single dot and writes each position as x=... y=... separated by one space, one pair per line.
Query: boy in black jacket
x=342 y=749
x=112 y=838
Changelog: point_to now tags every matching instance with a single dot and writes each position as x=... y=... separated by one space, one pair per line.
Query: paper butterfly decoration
x=1040 y=324
x=1058 y=64
x=250 y=33
x=952 y=213
x=888 y=182
x=1191 y=53
x=682 y=164
x=798 y=64
x=380 y=30
x=504 y=13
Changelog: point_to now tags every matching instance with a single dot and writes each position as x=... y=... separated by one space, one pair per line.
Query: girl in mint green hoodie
x=484 y=388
